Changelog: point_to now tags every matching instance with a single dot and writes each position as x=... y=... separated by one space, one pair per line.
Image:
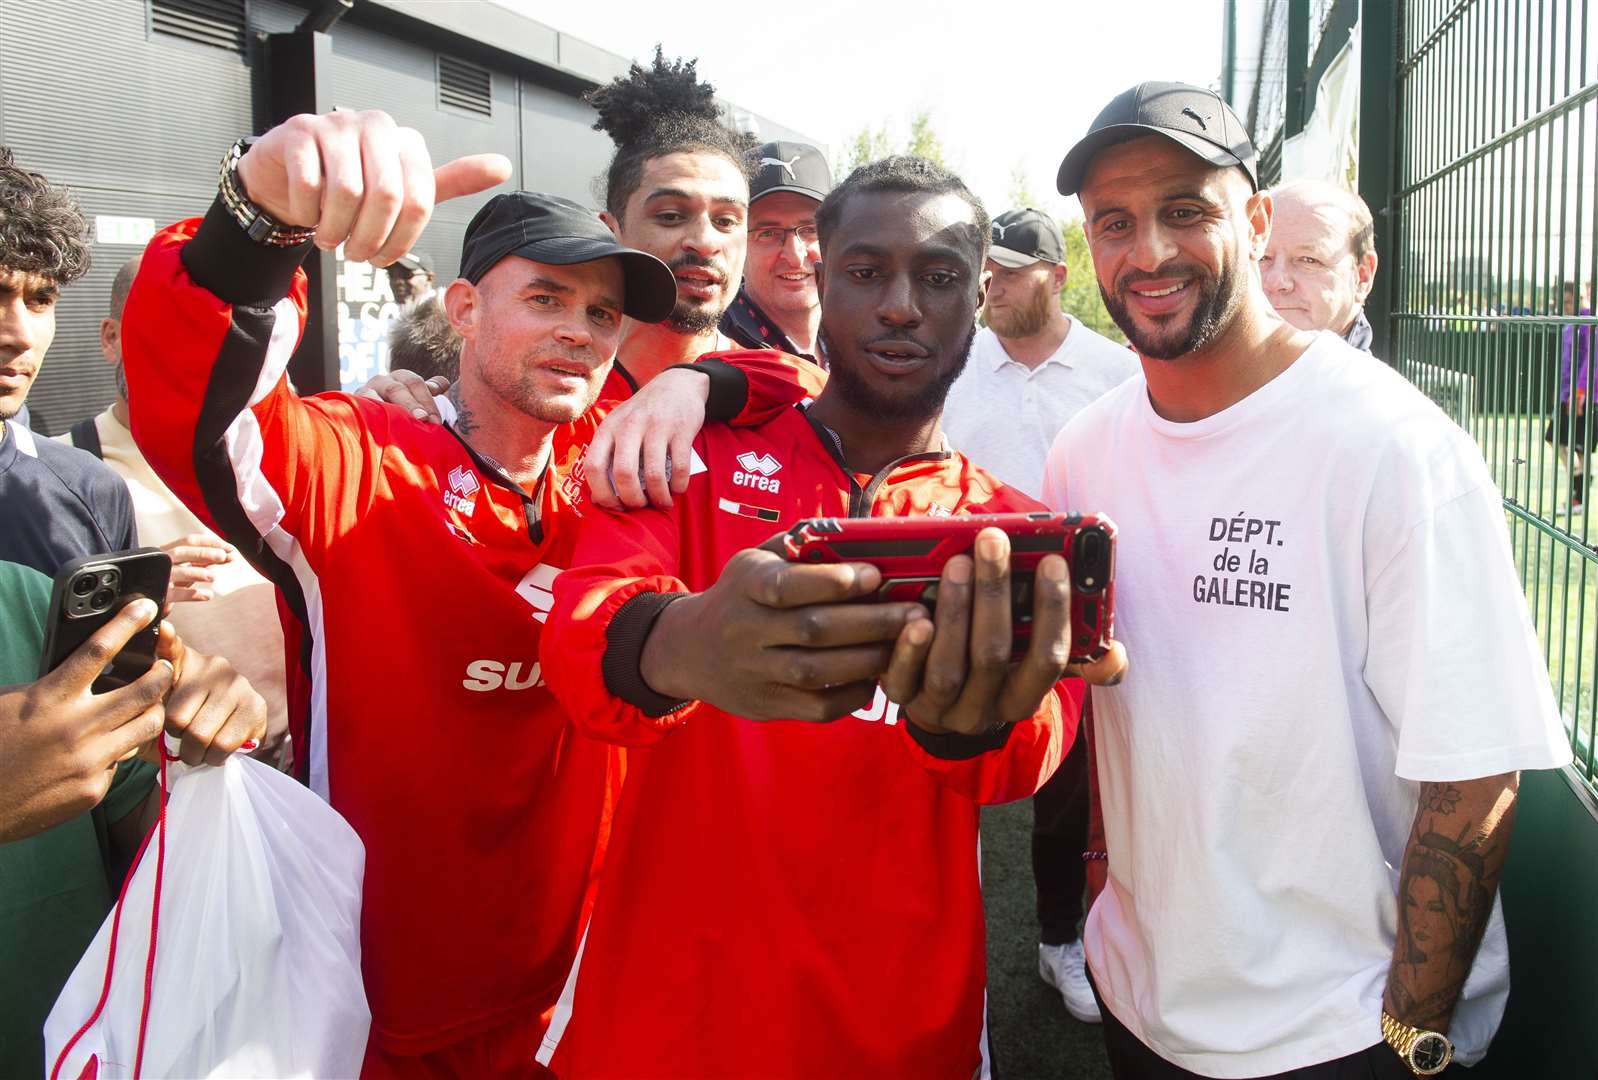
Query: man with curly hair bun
x=678 y=188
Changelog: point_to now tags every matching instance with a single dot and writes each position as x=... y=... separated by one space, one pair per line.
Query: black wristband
x=953 y=746
x=223 y=260
x=729 y=388
x=621 y=665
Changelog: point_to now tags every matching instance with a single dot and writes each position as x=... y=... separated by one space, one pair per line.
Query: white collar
x=1061 y=356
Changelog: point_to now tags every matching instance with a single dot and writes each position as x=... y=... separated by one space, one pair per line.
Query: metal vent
x=463 y=85
x=217 y=23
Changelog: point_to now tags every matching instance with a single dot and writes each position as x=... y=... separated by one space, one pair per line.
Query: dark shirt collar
x=1359 y=334
x=752 y=328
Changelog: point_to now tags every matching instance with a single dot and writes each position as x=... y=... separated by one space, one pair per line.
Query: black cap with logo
x=558 y=232
x=1023 y=237
x=1193 y=117
x=413 y=261
x=790 y=166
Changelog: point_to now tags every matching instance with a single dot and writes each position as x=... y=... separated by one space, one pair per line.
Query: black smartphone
x=88 y=593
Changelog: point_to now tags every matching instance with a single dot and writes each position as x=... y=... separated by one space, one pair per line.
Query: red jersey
x=780 y=900
x=420 y=575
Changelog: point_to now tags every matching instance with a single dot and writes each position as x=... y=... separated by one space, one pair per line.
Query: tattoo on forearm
x=1445 y=895
x=1439 y=798
x=465 y=422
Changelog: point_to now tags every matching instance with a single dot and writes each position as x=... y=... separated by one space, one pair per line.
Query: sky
x=1009 y=84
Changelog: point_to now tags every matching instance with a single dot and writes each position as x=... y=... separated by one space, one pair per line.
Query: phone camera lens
x=102 y=599
x=84 y=585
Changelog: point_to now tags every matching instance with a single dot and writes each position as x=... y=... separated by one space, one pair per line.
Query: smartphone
x=911 y=552
x=88 y=593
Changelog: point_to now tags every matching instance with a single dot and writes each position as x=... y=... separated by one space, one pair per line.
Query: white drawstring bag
x=234 y=949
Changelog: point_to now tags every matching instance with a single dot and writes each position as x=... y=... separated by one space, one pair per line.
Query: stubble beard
x=864 y=398
x=1218 y=302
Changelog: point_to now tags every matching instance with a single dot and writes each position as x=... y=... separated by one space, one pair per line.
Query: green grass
x=1557 y=565
x=1032 y=1036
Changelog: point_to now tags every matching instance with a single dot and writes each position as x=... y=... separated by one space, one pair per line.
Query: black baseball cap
x=1023 y=237
x=414 y=261
x=790 y=166
x=1195 y=118
x=559 y=232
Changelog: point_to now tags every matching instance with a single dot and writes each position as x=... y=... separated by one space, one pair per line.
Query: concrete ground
x=1032 y=1036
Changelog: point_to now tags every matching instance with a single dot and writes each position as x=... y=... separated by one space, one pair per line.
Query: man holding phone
x=74 y=802
x=772 y=889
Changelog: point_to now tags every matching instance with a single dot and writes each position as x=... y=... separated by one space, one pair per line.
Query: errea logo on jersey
x=756 y=471
x=461 y=496
x=537 y=588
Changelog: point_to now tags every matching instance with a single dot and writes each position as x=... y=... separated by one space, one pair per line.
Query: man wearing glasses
x=777 y=307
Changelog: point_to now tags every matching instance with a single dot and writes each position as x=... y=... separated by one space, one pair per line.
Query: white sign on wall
x=133 y=231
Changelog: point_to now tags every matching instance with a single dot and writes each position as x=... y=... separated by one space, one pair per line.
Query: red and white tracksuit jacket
x=421 y=577
x=780 y=900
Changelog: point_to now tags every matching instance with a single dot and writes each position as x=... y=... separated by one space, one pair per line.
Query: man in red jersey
x=484 y=814
x=792 y=900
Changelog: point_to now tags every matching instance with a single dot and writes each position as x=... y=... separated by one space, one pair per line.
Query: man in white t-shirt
x=1307 y=781
x=1031 y=369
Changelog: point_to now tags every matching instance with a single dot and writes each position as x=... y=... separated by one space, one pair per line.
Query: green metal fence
x=1491 y=117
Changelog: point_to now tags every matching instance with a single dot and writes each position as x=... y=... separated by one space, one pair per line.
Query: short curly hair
x=903 y=173
x=664 y=109
x=42 y=230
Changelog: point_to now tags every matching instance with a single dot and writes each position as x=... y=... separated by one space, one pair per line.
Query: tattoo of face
x=465 y=422
x=1444 y=900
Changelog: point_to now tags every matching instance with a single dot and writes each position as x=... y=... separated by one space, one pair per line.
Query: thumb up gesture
x=359 y=180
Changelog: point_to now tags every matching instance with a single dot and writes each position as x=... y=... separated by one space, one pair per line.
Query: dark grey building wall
x=134 y=122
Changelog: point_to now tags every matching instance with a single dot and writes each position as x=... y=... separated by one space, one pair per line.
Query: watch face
x=1430 y=1054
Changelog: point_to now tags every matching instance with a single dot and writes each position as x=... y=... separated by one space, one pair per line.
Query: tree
x=873 y=144
x=924 y=141
x=868 y=145
x=1081 y=298
x=1020 y=191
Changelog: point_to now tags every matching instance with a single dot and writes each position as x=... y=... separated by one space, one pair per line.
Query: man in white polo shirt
x=1031 y=368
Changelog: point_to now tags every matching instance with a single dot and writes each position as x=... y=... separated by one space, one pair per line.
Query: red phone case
x=911 y=552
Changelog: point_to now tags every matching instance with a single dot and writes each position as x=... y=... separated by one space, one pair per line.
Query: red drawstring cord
x=155 y=917
x=116 y=925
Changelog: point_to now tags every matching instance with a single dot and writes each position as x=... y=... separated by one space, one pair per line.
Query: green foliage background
x=1080 y=298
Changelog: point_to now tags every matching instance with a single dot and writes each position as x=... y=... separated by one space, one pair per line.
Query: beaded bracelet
x=257 y=224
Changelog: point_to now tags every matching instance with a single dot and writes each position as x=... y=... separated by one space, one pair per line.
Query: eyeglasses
x=767 y=237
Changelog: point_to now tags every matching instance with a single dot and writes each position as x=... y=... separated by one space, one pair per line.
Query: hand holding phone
x=87 y=595
x=911 y=554
x=956 y=672
x=60 y=741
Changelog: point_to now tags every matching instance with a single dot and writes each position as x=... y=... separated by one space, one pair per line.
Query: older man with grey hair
x=1320 y=262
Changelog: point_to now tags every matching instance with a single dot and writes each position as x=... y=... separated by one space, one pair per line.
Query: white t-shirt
x=1004 y=416
x=1316 y=593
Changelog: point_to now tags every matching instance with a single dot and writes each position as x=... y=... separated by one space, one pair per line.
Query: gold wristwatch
x=1427 y=1053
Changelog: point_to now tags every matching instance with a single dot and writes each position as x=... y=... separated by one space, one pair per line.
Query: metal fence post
x=1379 y=132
